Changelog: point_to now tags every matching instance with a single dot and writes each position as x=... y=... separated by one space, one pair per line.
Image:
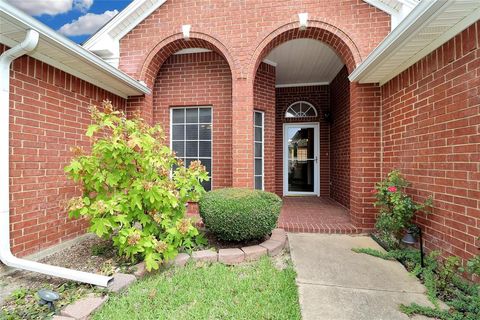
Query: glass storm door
x=301 y=164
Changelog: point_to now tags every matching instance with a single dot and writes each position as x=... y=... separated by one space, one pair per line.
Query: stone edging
x=82 y=309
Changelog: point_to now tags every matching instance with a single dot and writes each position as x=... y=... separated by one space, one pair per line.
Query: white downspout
x=6 y=256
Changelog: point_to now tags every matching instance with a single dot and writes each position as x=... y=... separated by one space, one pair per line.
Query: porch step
x=336 y=228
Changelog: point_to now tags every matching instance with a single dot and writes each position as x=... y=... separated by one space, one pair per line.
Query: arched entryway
x=316 y=154
x=191 y=83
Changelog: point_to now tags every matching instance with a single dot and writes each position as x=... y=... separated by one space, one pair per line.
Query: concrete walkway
x=336 y=283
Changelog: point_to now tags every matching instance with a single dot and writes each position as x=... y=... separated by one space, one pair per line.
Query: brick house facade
x=424 y=120
x=49 y=114
x=431 y=132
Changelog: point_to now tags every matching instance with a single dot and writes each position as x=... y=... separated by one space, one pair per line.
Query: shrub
x=235 y=214
x=134 y=188
x=473 y=265
x=397 y=208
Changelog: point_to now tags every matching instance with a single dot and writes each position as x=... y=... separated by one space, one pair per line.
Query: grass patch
x=253 y=291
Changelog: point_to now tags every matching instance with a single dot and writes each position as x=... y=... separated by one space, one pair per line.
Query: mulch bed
x=214 y=242
x=91 y=255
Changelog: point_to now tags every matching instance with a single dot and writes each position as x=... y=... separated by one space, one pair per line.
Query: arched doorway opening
x=308 y=154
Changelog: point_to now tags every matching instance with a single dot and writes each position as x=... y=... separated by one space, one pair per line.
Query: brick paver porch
x=314 y=215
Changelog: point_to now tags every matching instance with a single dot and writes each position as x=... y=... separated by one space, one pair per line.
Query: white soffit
x=62 y=53
x=106 y=41
x=303 y=62
x=427 y=27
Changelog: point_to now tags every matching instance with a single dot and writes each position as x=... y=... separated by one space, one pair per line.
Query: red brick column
x=365 y=152
x=242 y=133
x=143 y=105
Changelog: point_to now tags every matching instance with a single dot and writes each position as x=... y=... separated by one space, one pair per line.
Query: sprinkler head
x=48 y=297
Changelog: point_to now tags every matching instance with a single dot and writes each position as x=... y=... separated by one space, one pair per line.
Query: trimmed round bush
x=237 y=214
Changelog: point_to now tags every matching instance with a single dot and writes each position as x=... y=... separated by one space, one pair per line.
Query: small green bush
x=236 y=214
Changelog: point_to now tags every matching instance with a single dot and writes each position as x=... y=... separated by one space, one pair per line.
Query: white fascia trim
x=307 y=84
x=396 y=15
x=420 y=15
x=382 y=6
x=142 y=17
x=106 y=41
x=57 y=64
x=121 y=17
x=75 y=49
x=450 y=33
x=409 y=3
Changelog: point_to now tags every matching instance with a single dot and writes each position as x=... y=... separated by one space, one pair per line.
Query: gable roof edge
x=75 y=60
x=402 y=48
x=106 y=41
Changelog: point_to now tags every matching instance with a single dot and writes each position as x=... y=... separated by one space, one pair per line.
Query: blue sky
x=76 y=19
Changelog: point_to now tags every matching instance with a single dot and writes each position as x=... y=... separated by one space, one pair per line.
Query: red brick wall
x=264 y=100
x=318 y=96
x=235 y=25
x=200 y=79
x=365 y=152
x=340 y=138
x=244 y=32
x=431 y=132
x=48 y=115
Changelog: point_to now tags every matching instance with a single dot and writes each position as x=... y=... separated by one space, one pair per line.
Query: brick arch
x=327 y=33
x=174 y=43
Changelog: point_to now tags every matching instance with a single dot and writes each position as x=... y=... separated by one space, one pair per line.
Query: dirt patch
x=282 y=260
x=214 y=242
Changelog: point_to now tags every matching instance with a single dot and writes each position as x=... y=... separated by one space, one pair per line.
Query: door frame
x=316 y=150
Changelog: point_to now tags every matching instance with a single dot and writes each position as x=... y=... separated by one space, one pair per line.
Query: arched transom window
x=300 y=109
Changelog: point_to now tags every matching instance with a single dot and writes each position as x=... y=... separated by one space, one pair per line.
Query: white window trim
x=198 y=123
x=300 y=117
x=263 y=149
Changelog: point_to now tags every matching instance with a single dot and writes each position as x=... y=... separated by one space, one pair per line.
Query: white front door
x=300 y=159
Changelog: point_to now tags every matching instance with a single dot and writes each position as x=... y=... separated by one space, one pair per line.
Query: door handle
x=316 y=159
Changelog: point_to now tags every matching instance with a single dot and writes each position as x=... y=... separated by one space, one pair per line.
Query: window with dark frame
x=191 y=136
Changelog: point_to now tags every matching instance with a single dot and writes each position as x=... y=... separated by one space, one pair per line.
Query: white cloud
x=39 y=7
x=87 y=24
x=51 y=7
x=82 y=5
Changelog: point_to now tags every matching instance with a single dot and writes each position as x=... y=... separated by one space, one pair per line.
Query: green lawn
x=254 y=291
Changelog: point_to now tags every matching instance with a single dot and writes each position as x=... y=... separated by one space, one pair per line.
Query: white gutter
x=29 y=44
x=55 y=38
x=412 y=22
